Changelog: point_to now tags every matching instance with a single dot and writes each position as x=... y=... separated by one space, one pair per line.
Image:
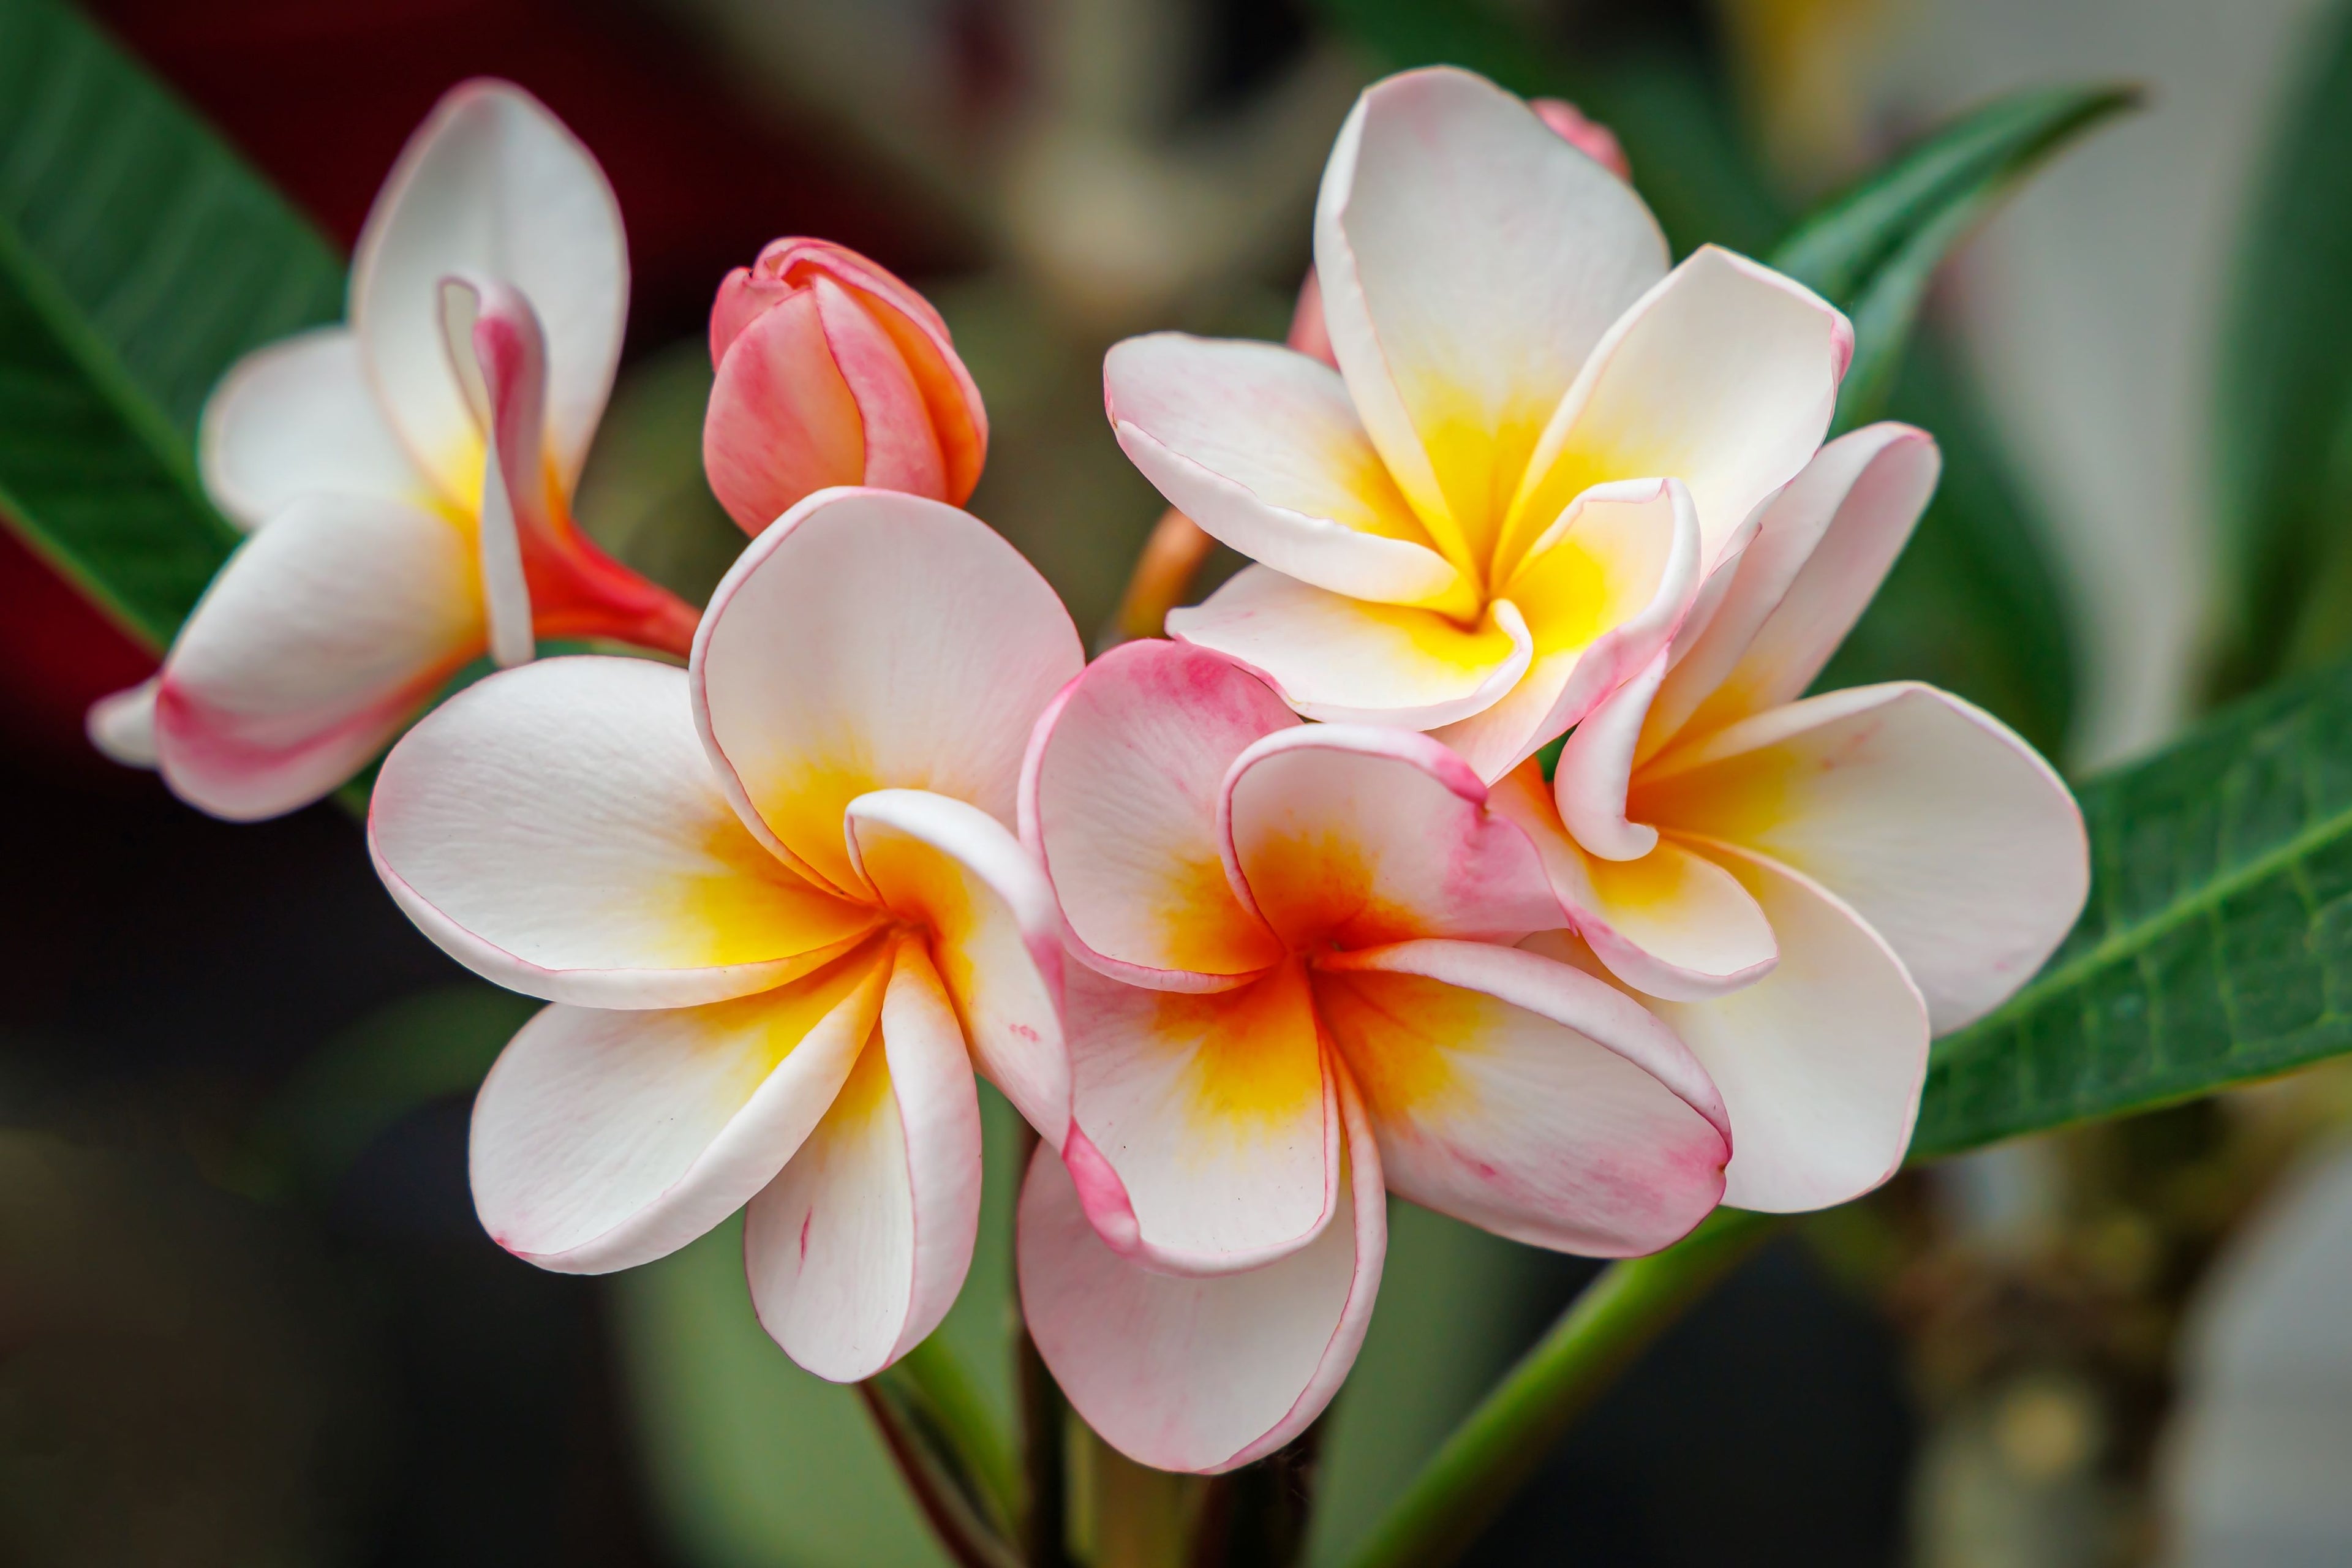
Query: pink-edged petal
x=1526 y=1097
x=856 y=1251
x=1671 y=923
x=1259 y=444
x=1584 y=133
x=1347 y=661
x=1724 y=376
x=605 y=1139
x=493 y=338
x=1946 y=832
x=959 y=873
x=1357 y=837
x=557 y=830
x=318 y=639
x=1820 y=1062
x=1205 y=1131
x=1202 y=1375
x=1601 y=595
x=491 y=182
x=1824 y=546
x=1594 y=774
x=1469 y=260
x=873 y=640
x=121 y=727
x=782 y=421
x=1118 y=797
x=296 y=418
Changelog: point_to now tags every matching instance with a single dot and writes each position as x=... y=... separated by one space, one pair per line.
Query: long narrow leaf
x=139 y=257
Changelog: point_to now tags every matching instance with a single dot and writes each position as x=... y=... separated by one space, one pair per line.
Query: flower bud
x=832 y=371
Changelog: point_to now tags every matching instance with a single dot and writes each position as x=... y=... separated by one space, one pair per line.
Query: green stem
x=1499 y=1444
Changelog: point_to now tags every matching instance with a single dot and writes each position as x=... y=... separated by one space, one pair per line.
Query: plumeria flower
x=832 y=371
x=1469 y=526
x=1296 y=988
x=406 y=476
x=777 y=901
x=1807 y=888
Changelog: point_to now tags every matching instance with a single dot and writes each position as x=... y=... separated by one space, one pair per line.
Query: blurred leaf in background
x=2283 y=441
x=139 y=258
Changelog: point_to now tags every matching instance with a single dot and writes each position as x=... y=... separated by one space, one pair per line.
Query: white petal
x=296 y=418
x=122 y=726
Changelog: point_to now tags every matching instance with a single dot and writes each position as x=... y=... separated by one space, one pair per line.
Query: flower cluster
x=1254 y=926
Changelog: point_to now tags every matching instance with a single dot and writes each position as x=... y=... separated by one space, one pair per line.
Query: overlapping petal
x=1353 y=837
x=1202 y=1373
x=857 y=1249
x=1346 y=660
x=322 y=635
x=1934 y=822
x=558 y=830
x=1260 y=446
x=491 y=182
x=296 y=418
x=1469 y=260
x=1119 y=799
x=1526 y=1097
x=603 y=1138
x=961 y=874
x=1724 y=376
x=873 y=640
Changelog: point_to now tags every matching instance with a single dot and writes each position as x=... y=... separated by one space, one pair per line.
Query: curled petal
x=491 y=182
x=1526 y=1097
x=1345 y=660
x=322 y=635
x=1205 y=1135
x=957 y=871
x=1259 y=445
x=558 y=830
x=121 y=726
x=602 y=1140
x=1671 y=923
x=1355 y=837
x=1201 y=1374
x=1724 y=375
x=296 y=418
x=874 y=640
x=1932 y=819
x=1601 y=595
x=1469 y=260
x=857 y=1249
x=1119 y=799
x=1595 y=771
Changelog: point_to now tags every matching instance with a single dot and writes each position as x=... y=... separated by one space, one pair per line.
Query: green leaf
x=2283 y=441
x=2217 y=948
x=139 y=258
x=1871 y=250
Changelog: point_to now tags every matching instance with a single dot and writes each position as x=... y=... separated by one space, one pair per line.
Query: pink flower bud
x=832 y=371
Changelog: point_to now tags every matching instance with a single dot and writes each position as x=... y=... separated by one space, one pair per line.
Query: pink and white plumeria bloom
x=407 y=475
x=1296 y=988
x=1807 y=888
x=1537 y=443
x=778 y=903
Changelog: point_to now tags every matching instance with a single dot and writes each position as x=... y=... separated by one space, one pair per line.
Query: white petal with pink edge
x=874 y=640
x=557 y=830
x=295 y=417
x=1347 y=661
x=314 y=645
x=1119 y=799
x=1191 y=1373
x=1946 y=832
x=1260 y=446
x=1206 y=1129
x=1356 y=837
x=856 y=1251
x=1724 y=375
x=1469 y=260
x=605 y=1139
x=490 y=182
x=961 y=875
x=1526 y=1097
